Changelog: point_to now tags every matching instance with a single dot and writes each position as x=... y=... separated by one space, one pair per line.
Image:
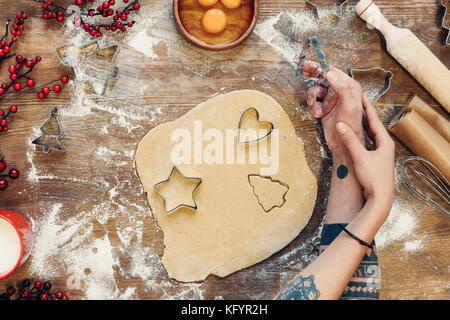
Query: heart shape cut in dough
x=251 y=129
x=230 y=230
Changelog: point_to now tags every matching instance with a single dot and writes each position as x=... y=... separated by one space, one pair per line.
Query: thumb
x=350 y=140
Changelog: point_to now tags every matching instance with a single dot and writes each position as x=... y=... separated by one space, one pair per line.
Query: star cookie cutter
x=317 y=10
x=387 y=79
x=88 y=63
x=241 y=120
x=194 y=207
x=446 y=29
x=52 y=132
x=313 y=43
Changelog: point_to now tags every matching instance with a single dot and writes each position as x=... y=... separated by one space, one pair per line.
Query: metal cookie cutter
x=310 y=82
x=446 y=29
x=52 y=131
x=321 y=16
x=194 y=207
x=387 y=79
x=92 y=63
x=257 y=118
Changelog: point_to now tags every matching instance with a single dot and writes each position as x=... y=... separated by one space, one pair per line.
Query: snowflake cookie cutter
x=194 y=207
x=313 y=43
x=445 y=28
x=87 y=71
x=387 y=80
x=52 y=132
x=339 y=9
x=241 y=120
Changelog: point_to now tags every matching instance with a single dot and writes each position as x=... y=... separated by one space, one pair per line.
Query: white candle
x=10 y=247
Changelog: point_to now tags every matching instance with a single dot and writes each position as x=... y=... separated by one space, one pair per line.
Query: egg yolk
x=231 y=4
x=214 y=21
x=207 y=3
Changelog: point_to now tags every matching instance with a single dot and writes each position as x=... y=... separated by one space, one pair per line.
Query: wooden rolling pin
x=411 y=53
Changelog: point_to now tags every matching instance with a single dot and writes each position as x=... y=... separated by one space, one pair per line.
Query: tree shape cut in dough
x=251 y=129
x=269 y=192
x=91 y=63
x=178 y=191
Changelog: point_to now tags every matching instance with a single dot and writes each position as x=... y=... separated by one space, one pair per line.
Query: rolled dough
x=230 y=230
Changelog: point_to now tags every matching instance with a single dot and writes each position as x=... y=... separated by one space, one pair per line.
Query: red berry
x=2 y=165
x=60 y=19
x=25 y=294
x=13 y=77
x=47 y=285
x=12 y=69
x=17 y=86
x=3 y=184
x=136 y=6
x=65 y=297
x=29 y=63
x=13 y=108
x=19 y=59
x=11 y=291
x=37 y=284
x=30 y=82
x=41 y=95
x=46 y=90
x=3 y=123
x=38 y=58
x=77 y=23
x=14 y=174
x=59 y=295
x=24 y=16
x=57 y=88
x=2 y=91
x=44 y=296
x=64 y=79
x=5 y=129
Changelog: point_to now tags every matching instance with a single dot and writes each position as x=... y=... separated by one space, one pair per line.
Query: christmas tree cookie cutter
x=194 y=207
x=446 y=29
x=387 y=80
x=241 y=120
x=314 y=44
x=339 y=9
x=92 y=63
x=52 y=132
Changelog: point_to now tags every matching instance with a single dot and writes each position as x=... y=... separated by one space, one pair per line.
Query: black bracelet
x=356 y=238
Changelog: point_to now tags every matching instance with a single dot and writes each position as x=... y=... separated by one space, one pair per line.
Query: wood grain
x=420 y=275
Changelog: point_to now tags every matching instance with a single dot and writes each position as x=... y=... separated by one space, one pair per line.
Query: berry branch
x=85 y=18
x=39 y=291
x=19 y=79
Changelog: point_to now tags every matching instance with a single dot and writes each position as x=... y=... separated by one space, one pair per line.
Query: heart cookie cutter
x=241 y=120
x=52 y=132
x=313 y=43
x=317 y=10
x=387 y=79
x=446 y=29
x=194 y=207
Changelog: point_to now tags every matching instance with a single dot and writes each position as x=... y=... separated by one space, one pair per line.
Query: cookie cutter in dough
x=446 y=29
x=52 y=132
x=317 y=10
x=87 y=71
x=257 y=118
x=387 y=79
x=317 y=47
x=195 y=207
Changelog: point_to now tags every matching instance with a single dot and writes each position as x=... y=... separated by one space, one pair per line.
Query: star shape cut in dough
x=178 y=191
x=91 y=63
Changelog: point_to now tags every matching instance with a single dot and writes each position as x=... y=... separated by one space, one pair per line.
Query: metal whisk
x=416 y=169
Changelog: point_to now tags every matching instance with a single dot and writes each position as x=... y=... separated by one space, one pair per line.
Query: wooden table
x=95 y=178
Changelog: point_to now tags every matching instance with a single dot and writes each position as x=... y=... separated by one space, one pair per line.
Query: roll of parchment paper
x=422 y=139
x=437 y=121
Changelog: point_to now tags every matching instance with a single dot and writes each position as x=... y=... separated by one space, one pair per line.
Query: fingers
x=329 y=102
x=351 y=141
x=375 y=125
x=345 y=87
x=314 y=97
x=312 y=69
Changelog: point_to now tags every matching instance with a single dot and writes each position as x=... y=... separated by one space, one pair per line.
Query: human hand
x=339 y=103
x=374 y=169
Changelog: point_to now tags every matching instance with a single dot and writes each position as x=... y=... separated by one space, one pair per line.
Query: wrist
x=377 y=209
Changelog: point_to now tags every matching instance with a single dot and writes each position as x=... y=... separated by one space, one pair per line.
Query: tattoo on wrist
x=302 y=288
x=342 y=172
